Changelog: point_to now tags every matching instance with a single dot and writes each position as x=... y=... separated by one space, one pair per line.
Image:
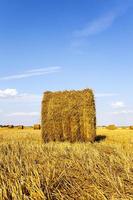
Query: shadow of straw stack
x=69 y=116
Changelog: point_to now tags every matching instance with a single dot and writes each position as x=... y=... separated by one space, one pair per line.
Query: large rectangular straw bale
x=69 y=116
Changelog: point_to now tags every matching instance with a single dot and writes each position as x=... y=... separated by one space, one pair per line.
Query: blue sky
x=66 y=44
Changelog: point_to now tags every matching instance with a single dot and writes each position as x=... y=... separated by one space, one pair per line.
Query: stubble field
x=30 y=169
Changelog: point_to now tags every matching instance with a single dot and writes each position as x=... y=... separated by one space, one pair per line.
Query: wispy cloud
x=98 y=25
x=103 y=22
x=48 y=69
x=106 y=94
x=118 y=104
x=20 y=114
x=24 y=97
x=123 y=112
x=33 y=72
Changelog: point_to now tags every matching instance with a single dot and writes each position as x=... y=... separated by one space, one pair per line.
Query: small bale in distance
x=69 y=116
x=10 y=126
x=131 y=127
x=20 y=127
x=111 y=127
x=37 y=126
x=124 y=127
x=4 y=126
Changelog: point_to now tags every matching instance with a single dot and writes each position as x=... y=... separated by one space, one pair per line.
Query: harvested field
x=30 y=169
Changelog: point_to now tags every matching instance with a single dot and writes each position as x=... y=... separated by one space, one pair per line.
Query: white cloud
x=20 y=114
x=105 y=94
x=13 y=94
x=123 y=112
x=8 y=93
x=32 y=73
x=118 y=104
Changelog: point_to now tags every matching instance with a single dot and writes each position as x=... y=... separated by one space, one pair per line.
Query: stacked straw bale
x=69 y=116
x=37 y=126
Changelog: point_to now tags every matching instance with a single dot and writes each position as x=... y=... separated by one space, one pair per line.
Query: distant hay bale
x=10 y=126
x=69 y=116
x=37 y=126
x=20 y=127
x=111 y=127
x=123 y=127
x=4 y=126
x=131 y=127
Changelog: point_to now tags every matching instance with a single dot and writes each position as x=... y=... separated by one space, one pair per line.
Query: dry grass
x=32 y=170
